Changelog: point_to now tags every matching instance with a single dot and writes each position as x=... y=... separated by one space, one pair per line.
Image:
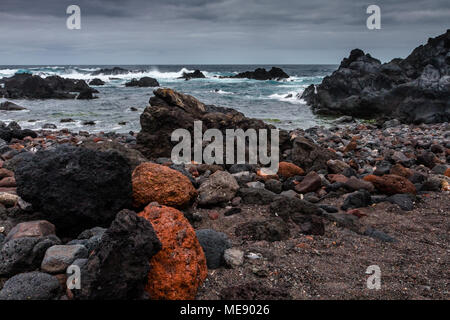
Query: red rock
x=288 y=170
x=356 y=213
x=391 y=184
x=9 y=190
x=180 y=267
x=337 y=178
x=156 y=183
x=31 y=229
x=16 y=146
x=97 y=140
x=213 y=215
x=4 y=173
x=8 y=182
x=310 y=183
x=447 y=172
x=401 y=171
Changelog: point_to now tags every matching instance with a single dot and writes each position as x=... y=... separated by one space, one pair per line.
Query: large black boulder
x=119 y=267
x=412 y=90
x=75 y=188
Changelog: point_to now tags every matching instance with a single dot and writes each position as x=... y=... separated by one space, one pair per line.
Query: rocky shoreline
x=413 y=90
x=344 y=198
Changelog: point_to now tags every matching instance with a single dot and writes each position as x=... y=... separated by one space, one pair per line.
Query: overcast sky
x=213 y=31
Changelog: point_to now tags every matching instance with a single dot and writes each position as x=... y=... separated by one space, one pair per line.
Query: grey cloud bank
x=217 y=31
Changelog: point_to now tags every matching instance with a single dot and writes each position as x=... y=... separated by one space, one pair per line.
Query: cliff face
x=413 y=90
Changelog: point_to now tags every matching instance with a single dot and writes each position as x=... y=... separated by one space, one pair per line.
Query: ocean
x=275 y=102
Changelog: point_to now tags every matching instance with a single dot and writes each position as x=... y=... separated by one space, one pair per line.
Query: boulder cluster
x=120 y=210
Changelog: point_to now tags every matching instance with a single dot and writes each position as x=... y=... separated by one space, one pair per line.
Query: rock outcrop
x=144 y=82
x=170 y=110
x=262 y=74
x=413 y=90
x=27 y=86
x=197 y=74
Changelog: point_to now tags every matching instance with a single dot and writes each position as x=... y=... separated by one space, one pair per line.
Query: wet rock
x=156 y=183
x=10 y=106
x=180 y=267
x=31 y=286
x=49 y=126
x=125 y=249
x=144 y=82
x=96 y=82
x=263 y=74
x=75 y=188
x=197 y=74
x=270 y=230
x=220 y=187
x=214 y=245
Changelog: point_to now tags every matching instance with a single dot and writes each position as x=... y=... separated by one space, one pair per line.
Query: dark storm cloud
x=209 y=31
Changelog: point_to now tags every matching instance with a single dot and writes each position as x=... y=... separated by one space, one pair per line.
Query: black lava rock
x=75 y=188
x=118 y=269
x=214 y=245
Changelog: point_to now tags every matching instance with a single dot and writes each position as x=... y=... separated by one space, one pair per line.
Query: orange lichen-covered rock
x=156 y=183
x=288 y=170
x=391 y=184
x=180 y=267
